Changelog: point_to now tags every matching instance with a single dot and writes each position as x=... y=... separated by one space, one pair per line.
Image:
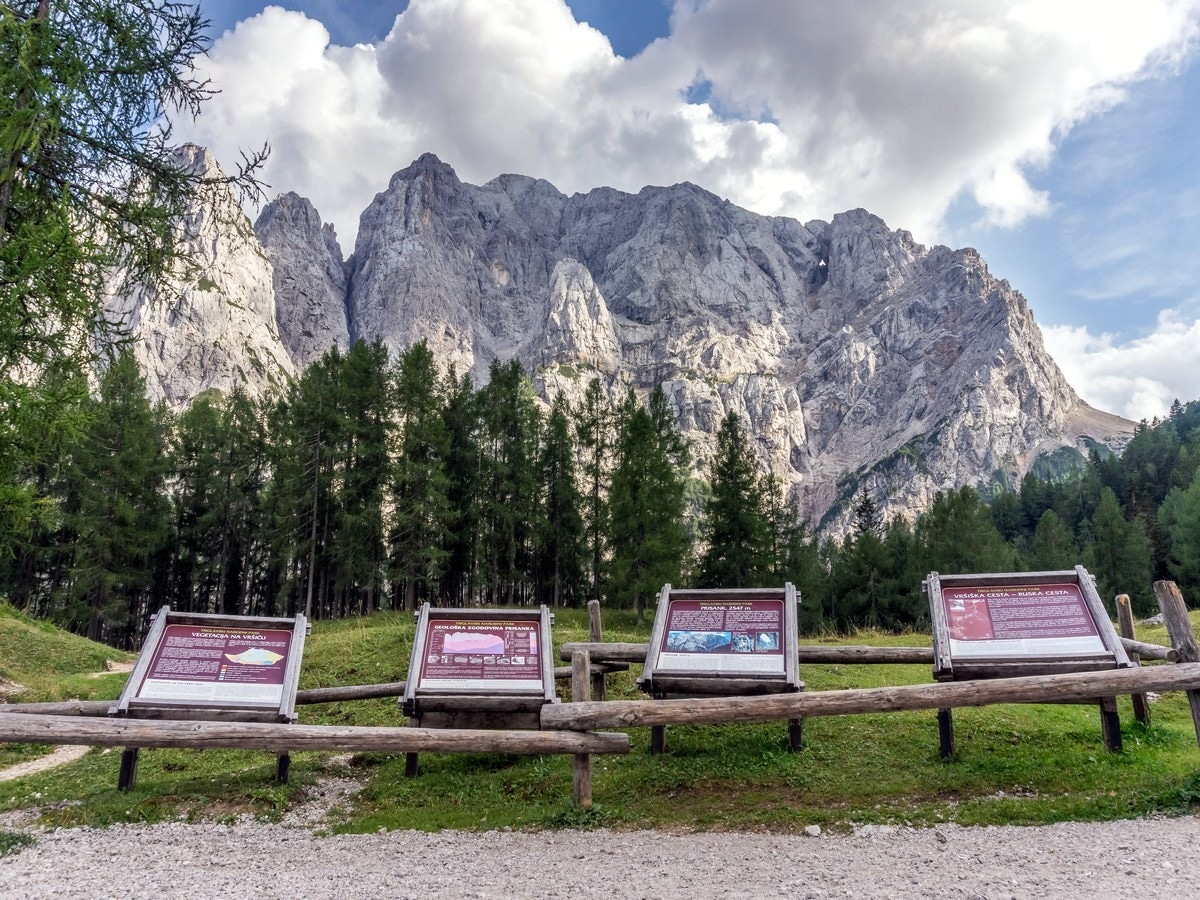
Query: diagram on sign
x=255 y=656
x=460 y=654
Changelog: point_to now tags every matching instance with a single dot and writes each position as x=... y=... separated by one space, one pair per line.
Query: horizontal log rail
x=303 y=698
x=564 y=673
x=627 y=652
x=873 y=655
x=1151 y=651
x=1029 y=689
x=350 y=692
x=819 y=654
x=280 y=738
x=600 y=651
x=61 y=708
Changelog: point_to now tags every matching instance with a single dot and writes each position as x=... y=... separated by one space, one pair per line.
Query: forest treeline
x=374 y=482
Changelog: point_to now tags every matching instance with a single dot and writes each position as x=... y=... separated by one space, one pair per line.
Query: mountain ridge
x=856 y=356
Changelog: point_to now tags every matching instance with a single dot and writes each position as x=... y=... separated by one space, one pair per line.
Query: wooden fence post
x=1141 y=707
x=1183 y=636
x=596 y=636
x=581 y=765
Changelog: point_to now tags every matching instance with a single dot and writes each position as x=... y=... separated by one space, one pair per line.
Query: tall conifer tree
x=736 y=527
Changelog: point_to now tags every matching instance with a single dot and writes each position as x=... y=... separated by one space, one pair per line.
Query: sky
x=1057 y=137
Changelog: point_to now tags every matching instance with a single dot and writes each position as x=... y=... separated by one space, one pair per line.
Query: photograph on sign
x=465 y=654
x=218 y=664
x=723 y=637
x=1037 y=620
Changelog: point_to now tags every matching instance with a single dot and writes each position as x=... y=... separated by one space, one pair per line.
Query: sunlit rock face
x=212 y=324
x=855 y=356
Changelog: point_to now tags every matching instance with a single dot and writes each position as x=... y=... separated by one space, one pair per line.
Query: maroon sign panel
x=1039 y=619
x=218 y=663
x=463 y=653
x=723 y=636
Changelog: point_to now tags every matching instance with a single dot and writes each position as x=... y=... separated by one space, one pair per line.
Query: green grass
x=1026 y=764
x=50 y=664
x=13 y=842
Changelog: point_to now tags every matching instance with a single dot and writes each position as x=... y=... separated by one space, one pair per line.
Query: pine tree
x=956 y=536
x=867 y=519
x=1119 y=555
x=365 y=435
x=1179 y=519
x=560 y=526
x=735 y=530
x=647 y=535
x=460 y=417
x=1053 y=546
x=594 y=439
x=116 y=512
x=419 y=484
x=510 y=432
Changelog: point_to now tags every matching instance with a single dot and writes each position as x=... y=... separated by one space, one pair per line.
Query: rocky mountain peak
x=212 y=323
x=855 y=355
x=310 y=280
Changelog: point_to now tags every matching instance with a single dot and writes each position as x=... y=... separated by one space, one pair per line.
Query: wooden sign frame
x=664 y=676
x=461 y=695
x=1037 y=647
x=136 y=703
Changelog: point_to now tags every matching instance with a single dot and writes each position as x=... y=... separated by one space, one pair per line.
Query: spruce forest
x=373 y=483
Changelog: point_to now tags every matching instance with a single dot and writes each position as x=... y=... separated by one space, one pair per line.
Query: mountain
x=212 y=324
x=856 y=356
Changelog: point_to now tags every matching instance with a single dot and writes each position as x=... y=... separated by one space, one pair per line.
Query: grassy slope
x=1023 y=764
x=50 y=664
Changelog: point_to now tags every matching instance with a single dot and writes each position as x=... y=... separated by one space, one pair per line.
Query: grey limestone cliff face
x=309 y=278
x=856 y=356
x=212 y=324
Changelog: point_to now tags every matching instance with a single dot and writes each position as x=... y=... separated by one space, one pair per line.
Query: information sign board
x=723 y=642
x=1020 y=621
x=215 y=662
x=723 y=635
x=1006 y=625
x=203 y=666
x=464 y=653
x=996 y=625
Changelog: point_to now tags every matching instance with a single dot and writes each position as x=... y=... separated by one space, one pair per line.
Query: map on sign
x=217 y=663
x=466 y=654
x=723 y=637
x=1038 y=620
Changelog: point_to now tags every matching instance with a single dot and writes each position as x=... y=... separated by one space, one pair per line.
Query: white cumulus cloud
x=1137 y=379
x=786 y=107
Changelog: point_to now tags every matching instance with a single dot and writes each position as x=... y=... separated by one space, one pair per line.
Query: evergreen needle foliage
x=91 y=185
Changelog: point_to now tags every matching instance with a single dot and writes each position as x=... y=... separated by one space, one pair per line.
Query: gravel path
x=1146 y=857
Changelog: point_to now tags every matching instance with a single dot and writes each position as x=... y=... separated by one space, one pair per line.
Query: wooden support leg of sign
x=945 y=733
x=1110 y=724
x=127 y=777
x=596 y=636
x=581 y=766
x=1183 y=636
x=658 y=738
x=1141 y=707
x=795 y=734
x=283 y=762
x=411 y=759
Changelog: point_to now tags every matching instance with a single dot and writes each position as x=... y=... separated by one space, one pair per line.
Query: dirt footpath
x=1145 y=857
